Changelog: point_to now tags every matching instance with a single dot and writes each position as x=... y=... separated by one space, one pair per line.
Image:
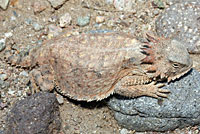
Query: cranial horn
x=151 y=38
x=148 y=51
x=148 y=59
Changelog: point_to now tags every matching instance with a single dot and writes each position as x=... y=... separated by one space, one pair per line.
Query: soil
x=18 y=24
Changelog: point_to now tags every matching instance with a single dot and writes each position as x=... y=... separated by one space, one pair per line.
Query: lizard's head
x=169 y=58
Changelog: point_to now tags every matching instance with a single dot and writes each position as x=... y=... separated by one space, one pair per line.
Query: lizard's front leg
x=135 y=86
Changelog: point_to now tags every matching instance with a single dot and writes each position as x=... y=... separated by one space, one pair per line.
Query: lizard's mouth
x=178 y=76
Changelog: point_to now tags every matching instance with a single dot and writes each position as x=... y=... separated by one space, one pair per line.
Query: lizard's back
x=86 y=67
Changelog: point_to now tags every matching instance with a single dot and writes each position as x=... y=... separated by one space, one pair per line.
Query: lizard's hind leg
x=42 y=79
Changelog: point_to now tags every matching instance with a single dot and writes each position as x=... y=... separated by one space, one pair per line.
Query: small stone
x=37 y=27
x=3 y=77
x=123 y=131
x=4 y=4
x=156 y=12
x=28 y=21
x=39 y=6
x=100 y=19
x=60 y=99
x=11 y=92
x=109 y=1
x=56 y=3
x=125 y=5
x=53 y=31
x=13 y=18
x=83 y=20
x=8 y=35
x=53 y=19
x=65 y=20
x=23 y=73
x=2 y=44
x=159 y=4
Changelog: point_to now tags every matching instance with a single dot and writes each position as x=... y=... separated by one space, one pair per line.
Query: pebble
x=2 y=44
x=28 y=21
x=100 y=19
x=23 y=73
x=39 y=6
x=159 y=4
x=123 y=131
x=37 y=27
x=3 y=77
x=8 y=35
x=4 y=4
x=11 y=92
x=65 y=20
x=53 y=19
x=83 y=20
x=125 y=5
x=109 y=1
x=13 y=18
x=60 y=99
x=56 y=3
x=53 y=31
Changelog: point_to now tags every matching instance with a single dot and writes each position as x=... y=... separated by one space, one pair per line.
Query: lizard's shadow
x=89 y=105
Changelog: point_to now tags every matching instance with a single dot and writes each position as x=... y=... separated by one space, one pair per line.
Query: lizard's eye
x=175 y=65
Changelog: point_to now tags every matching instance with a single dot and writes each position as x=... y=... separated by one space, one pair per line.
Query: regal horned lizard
x=93 y=66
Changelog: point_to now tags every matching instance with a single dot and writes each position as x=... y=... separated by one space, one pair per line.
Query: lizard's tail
x=22 y=59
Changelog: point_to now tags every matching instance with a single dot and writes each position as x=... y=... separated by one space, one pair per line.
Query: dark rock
x=36 y=114
x=182 y=22
x=181 y=109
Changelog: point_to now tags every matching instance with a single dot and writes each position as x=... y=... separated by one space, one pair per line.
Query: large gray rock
x=181 y=109
x=36 y=114
x=182 y=22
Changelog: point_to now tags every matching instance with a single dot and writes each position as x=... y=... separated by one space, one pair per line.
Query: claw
x=160 y=85
x=164 y=91
x=161 y=95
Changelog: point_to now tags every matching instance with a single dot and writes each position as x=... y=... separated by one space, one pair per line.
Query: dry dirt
x=18 y=19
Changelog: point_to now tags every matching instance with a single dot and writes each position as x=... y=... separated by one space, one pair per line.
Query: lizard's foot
x=154 y=90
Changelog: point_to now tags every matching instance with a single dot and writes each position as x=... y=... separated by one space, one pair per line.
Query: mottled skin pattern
x=93 y=66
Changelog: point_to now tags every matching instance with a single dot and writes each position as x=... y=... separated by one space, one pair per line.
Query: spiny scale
x=137 y=80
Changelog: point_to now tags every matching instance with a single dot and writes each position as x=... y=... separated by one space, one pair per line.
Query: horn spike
x=148 y=59
x=151 y=38
x=147 y=45
x=148 y=50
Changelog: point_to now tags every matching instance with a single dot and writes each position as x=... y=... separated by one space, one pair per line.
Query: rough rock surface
x=37 y=114
x=181 y=109
x=182 y=21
